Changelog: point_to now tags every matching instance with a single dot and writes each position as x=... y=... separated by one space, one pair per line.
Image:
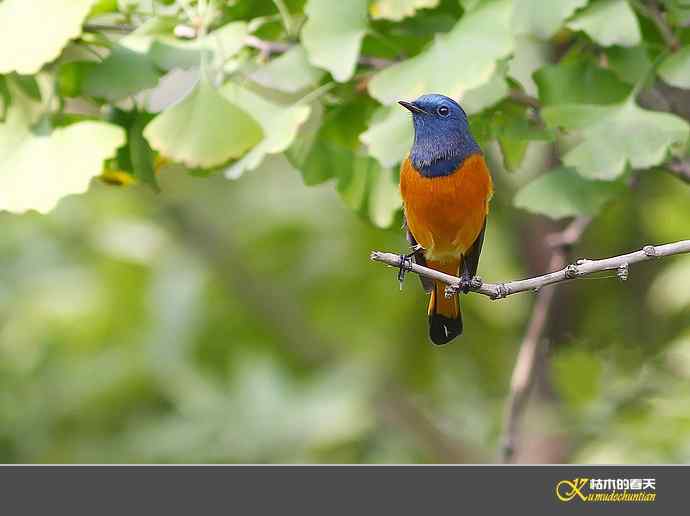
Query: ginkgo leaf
x=396 y=10
x=123 y=73
x=384 y=198
x=279 y=123
x=456 y=62
x=617 y=136
x=389 y=135
x=565 y=193
x=34 y=32
x=332 y=35
x=542 y=19
x=596 y=22
x=290 y=72
x=169 y=53
x=37 y=171
x=579 y=81
x=370 y=190
x=630 y=64
x=675 y=69
x=203 y=130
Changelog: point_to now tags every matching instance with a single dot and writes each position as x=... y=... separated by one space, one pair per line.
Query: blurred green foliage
x=240 y=321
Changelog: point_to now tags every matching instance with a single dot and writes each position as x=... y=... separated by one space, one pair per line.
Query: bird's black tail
x=445 y=319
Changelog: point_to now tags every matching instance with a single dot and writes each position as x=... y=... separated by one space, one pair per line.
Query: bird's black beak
x=411 y=106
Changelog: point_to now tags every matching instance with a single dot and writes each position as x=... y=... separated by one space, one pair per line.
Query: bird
x=446 y=187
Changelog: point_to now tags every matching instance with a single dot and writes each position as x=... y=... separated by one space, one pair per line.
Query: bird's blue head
x=442 y=138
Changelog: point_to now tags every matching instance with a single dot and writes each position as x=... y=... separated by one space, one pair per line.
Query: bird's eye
x=443 y=111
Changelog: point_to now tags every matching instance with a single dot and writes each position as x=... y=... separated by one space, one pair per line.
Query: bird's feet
x=404 y=264
x=465 y=286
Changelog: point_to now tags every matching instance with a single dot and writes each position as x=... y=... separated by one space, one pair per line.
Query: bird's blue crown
x=442 y=138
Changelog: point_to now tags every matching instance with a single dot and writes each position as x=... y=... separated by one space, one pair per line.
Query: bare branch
x=573 y=271
x=108 y=27
x=533 y=346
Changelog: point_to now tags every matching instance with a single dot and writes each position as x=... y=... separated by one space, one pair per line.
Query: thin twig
x=526 y=99
x=573 y=271
x=652 y=11
x=266 y=48
x=109 y=27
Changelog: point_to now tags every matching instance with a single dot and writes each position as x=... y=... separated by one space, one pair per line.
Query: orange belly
x=445 y=214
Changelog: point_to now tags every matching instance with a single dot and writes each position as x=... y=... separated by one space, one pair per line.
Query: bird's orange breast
x=445 y=214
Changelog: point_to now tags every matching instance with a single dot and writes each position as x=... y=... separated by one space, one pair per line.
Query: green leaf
x=290 y=72
x=203 y=130
x=279 y=123
x=316 y=153
x=123 y=73
x=327 y=148
x=513 y=152
x=511 y=126
x=384 y=198
x=675 y=69
x=470 y=5
x=579 y=81
x=37 y=171
x=609 y=22
x=28 y=85
x=562 y=192
x=456 y=62
x=103 y=7
x=617 y=136
x=396 y=10
x=5 y=97
x=389 y=137
x=218 y=46
x=371 y=191
x=540 y=18
x=69 y=79
x=332 y=35
x=631 y=64
x=32 y=42
x=140 y=153
x=530 y=54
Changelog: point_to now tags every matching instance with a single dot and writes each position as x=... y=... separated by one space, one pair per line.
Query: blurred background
x=170 y=315
x=243 y=322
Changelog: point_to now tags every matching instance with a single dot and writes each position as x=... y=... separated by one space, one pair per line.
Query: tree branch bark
x=573 y=271
x=534 y=345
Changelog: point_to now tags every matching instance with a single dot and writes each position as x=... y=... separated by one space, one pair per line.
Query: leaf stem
x=285 y=16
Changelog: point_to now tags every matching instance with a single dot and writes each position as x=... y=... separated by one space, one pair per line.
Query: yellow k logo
x=567 y=490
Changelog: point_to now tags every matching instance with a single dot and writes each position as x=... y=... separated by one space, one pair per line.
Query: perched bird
x=446 y=187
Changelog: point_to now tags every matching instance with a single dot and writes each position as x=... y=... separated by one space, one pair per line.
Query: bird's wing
x=470 y=260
